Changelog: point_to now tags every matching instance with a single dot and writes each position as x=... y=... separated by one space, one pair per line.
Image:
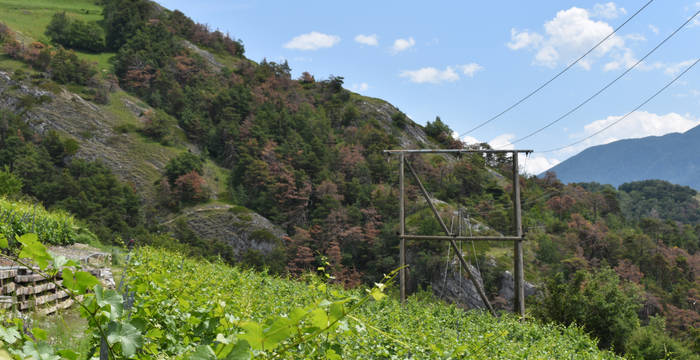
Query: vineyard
x=186 y=304
x=175 y=307
x=18 y=218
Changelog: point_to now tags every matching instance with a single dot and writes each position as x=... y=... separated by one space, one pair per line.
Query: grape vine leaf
x=111 y=298
x=34 y=250
x=253 y=334
x=241 y=351
x=9 y=335
x=126 y=335
x=38 y=351
x=203 y=352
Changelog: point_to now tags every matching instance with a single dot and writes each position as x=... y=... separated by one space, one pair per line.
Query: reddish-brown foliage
x=191 y=187
x=629 y=271
x=302 y=261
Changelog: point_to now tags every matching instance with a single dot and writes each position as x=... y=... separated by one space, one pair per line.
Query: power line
x=606 y=86
x=558 y=74
x=626 y=115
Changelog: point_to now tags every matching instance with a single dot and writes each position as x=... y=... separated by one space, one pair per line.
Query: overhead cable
x=607 y=85
x=626 y=115
x=557 y=75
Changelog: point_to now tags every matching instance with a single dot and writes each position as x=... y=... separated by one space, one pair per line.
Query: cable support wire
x=558 y=74
x=606 y=86
x=626 y=115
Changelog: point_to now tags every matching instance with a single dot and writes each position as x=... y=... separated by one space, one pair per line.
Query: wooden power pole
x=518 y=276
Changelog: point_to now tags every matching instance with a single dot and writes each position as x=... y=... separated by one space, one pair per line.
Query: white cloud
x=625 y=59
x=607 y=11
x=437 y=76
x=371 y=40
x=535 y=165
x=402 y=45
x=502 y=142
x=431 y=75
x=635 y=37
x=674 y=69
x=470 y=69
x=312 y=41
x=523 y=39
x=654 y=29
x=569 y=34
x=469 y=140
x=359 y=87
x=639 y=124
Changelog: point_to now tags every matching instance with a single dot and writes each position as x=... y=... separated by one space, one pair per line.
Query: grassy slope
x=423 y=328
x=29 y=20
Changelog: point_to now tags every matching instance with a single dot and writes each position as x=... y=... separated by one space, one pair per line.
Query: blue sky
x=467 y=61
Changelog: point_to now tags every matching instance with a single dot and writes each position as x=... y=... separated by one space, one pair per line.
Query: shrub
x=399 y=119
x=158 y=126
x=604 y=306
x=9 y=183
x=5 y=33
x=191 y=187
x=184 y=163
x=651 y=342
x=66 y=67
x=76 y=33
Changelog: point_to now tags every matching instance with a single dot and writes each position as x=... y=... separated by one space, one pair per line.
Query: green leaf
x=377 y=294
x=3 y=242
x=203 y=352
x=241 y=351
x=61 y=261
x=39 y=333
x=40 y=351
x=9 y=335
x=253 y=334
x=85 y=280
x=332 y=355
x=337 y=311
x=111 y=298
x=69 y=280
x=68 y=354
x=319 y=318
x=79 y=281
x=34 y=250
x=126 y=335
x=277 y=332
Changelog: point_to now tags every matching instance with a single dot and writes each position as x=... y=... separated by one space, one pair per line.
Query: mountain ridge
x=669 y=157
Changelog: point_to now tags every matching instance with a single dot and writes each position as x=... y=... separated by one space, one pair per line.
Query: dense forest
x=306 y=154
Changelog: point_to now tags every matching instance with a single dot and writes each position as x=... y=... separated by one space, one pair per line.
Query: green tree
x=605 y=306
x=10 y=184
x=184 y=163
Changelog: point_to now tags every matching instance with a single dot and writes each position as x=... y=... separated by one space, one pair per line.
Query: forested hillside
x=147 y=125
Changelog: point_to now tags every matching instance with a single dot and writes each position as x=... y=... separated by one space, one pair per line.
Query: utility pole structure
x=518 y=276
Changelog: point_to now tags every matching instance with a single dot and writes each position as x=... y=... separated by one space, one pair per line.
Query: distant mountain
x=672 y=157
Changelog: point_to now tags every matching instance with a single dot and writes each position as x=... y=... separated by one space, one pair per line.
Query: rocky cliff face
x=240 y=228
x=455 y=287
x=132 y=158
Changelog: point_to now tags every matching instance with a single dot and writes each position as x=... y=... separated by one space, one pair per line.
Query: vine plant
x=116 y=334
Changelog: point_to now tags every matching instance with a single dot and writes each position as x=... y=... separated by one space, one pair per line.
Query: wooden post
x=518 y=278
x=402 y=230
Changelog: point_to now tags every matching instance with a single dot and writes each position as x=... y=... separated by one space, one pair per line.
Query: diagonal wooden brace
x=472 y=277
